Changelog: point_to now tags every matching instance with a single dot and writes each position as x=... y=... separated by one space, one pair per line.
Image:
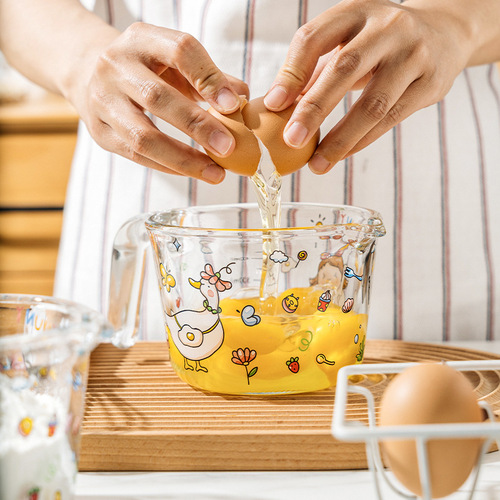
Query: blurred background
x=37 y=140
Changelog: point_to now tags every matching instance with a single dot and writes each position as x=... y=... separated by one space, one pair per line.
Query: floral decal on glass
x=244 y=357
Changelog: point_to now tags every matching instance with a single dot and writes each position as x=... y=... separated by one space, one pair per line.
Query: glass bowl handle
x=127 y=275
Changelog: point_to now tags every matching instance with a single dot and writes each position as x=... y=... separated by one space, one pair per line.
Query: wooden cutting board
x=140 y=416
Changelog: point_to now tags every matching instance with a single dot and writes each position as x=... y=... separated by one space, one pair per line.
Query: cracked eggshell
x=431 y=393
x=268 y=126
x=254 y=118
x=245 y=157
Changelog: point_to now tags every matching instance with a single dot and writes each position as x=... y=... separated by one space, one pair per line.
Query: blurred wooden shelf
x=37 y=142
x=47 y=113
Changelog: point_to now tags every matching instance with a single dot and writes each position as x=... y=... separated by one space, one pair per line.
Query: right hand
x=164 y=72
x=406 y=56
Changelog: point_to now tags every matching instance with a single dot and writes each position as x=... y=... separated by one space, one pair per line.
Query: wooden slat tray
x=141 y=416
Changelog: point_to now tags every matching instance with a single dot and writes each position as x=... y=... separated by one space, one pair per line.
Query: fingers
x=379 y=106
x=405 y=107
x=167 y=103
x=337 y=51
x=175 y=79
x=328 y=90
x=163 y=72
x=158 y=48
x=404 y=58
x=310 y=42
x=164 y=48
x=364 y=56
x=238 y=85
x=329 y=153
x=135 y=137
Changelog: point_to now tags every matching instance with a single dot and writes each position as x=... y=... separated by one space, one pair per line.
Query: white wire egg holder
x=355 y=431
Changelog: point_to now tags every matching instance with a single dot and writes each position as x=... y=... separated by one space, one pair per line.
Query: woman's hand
x=405 y=56
x=115 y=80
x=163 y=72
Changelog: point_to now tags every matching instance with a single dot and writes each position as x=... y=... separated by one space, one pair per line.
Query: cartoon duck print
x=197 y=334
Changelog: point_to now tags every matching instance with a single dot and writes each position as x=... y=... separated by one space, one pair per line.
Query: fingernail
x=275 y=98
x=296 y=134
x=220 y=142
x=213 y=174
x=227 y=100
x=318 y=164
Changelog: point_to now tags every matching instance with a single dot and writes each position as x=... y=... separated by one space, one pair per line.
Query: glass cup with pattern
x=45 y=344
x=247 y=309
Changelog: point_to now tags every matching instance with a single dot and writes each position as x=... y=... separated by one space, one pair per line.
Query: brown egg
x=431 y=394
x=255 y=118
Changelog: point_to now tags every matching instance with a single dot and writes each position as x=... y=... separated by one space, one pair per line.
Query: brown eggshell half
x=254 y=118
x=268 y=126
x=245 y=157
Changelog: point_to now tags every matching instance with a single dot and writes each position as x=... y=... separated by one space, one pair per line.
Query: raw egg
x=254 y=120
x=431 y=393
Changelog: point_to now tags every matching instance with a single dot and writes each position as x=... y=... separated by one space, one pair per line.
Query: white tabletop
x=286 y=485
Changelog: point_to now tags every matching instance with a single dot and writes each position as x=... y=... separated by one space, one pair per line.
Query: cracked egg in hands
x=254 y=120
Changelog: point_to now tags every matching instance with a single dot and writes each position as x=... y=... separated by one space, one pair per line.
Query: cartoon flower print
x=244 y=357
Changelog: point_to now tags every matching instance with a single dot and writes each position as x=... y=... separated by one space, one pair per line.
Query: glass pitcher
x=45 y=345
x=251 y=310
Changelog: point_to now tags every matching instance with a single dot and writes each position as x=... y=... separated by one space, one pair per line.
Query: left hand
x=405 y=56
